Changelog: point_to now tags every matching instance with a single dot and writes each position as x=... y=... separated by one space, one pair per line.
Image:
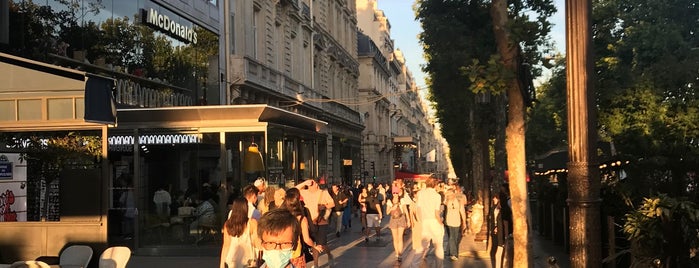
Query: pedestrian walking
x=455 y=219
x=500 y=218
x=340 y=200
x=277 y=233
x=362 y=209
x=399 y=221
x=292 y=203
x=415 y=223
x=319 y=204
x=374 y=214
x=429 y=212
x=347 y=213
x=239 y=237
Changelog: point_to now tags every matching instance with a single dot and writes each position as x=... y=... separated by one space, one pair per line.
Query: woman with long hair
x=239 y=237
x=263 y=205
x=292 y=202
x=397 y=208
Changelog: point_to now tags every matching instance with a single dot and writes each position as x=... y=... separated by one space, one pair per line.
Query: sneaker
x=454 y=258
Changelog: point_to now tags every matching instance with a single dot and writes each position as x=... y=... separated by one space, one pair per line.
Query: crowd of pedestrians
x=432 y=212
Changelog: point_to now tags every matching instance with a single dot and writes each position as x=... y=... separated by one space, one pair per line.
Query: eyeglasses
x=274 y=245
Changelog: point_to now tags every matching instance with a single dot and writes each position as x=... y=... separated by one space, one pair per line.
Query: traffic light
x=372 y=165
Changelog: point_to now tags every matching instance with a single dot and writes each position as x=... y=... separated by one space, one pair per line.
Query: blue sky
x=404 y=30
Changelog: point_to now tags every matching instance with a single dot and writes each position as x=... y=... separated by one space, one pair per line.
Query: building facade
x=162 y=69
x=185 y=102
x=400 y=138
x=301 y=56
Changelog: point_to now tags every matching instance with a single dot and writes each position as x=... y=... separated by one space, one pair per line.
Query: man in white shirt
x=319 y=204
x=428 y=211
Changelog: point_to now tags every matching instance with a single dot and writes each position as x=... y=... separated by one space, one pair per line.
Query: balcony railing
x=260 y=74
x=305 y=11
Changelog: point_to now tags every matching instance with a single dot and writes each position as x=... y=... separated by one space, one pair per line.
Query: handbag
x=307 y=252
x=321 y=211
x=396 y=213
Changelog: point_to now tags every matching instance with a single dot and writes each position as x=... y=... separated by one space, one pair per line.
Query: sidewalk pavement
x=350 y=250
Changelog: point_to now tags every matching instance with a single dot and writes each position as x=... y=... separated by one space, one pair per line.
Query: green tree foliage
x=648 y=69
x=50 y=152
x=454 y=33
x=547 y=119
x=663 y=228
x=647 y=73
x=462 y=59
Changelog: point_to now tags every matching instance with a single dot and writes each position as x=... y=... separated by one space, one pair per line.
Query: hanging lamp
x=252 y=162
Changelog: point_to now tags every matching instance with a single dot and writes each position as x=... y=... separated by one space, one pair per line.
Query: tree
x=648 y=68
x=508 y=26
x=452 y=36
x=516 y=162
x=459 y=38
x=546 y=119
x=647 y=71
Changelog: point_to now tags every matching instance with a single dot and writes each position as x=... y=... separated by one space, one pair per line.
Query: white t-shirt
x=312 y=198
x=429 y=204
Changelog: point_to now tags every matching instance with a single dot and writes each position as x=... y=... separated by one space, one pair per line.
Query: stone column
x=583 y=171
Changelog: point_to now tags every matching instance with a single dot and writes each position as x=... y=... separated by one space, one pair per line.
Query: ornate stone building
x=400 y=137
x=301 y=55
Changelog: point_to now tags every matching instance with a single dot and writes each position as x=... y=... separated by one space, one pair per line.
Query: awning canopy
x=40 y=96
x=412 y=176
x=219 y=116
x=405 y=139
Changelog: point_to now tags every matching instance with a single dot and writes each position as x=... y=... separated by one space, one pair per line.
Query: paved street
x=350 y=250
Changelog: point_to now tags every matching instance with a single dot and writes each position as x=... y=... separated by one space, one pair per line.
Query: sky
x=404 y=31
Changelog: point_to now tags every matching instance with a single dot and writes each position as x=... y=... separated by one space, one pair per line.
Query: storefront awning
x=405 y=139
x=40 y=96
x=412 y=176
x=219 y=116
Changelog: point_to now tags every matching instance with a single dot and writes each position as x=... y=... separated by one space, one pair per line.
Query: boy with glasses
x=278 y=231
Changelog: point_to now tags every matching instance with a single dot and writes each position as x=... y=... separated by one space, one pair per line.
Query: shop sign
x=156 y=139
x=132 y=93
x=162 y=22
x=5 y=168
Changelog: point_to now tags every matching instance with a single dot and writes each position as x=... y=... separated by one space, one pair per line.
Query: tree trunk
x=479 y=149
x=514 y=143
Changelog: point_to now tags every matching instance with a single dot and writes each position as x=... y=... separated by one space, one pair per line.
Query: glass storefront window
x=240 y=170
x=307 y=159
x=50 y=176
x=176 y=192
x=275 y=167
x=155 y=64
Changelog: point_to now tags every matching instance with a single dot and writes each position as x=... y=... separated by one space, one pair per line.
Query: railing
x=341 y=111
x=260 y=74
x=306 y=11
